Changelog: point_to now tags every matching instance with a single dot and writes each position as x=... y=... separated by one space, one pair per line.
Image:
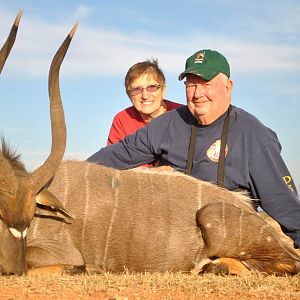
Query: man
x=216 y=142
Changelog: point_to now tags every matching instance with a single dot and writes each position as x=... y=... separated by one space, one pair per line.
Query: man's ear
x=229 y=85
x=47 y=199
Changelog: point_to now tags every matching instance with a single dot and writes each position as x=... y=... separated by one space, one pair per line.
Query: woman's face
x=147 y=94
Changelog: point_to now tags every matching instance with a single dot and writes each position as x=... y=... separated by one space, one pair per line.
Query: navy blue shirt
x=253 y=161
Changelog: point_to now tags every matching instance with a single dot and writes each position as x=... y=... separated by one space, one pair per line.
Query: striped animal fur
x=137 y=219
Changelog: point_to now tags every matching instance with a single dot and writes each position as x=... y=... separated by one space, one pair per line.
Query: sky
x=260 y=39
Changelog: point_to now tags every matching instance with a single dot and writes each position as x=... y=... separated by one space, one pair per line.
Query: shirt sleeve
x=136 y=149
x=273 y=183
x=116 y=132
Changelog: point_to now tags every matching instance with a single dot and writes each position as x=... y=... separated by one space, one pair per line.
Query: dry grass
x=164 y=286
x=149 y=286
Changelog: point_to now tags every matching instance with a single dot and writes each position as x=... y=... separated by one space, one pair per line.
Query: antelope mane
x=11 y=154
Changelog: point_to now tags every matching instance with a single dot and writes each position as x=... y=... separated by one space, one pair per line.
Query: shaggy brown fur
x=11 y=155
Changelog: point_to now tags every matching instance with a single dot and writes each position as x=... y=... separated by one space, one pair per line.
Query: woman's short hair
x=150 y=67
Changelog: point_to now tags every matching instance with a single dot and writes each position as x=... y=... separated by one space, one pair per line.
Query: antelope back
x=140 y=219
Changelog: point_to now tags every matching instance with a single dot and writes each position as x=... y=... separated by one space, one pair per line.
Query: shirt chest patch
x=213 y=152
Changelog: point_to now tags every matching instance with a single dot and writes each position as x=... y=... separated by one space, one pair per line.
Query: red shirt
x=129 y=120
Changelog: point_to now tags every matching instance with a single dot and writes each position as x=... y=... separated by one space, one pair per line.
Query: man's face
x=208 y=100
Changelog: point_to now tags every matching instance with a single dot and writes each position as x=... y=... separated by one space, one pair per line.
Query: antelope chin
x=18 y=234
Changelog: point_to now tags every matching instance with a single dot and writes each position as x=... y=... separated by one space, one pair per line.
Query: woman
x=146 y=88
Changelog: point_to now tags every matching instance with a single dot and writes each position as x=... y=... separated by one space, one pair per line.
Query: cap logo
x=199 y=58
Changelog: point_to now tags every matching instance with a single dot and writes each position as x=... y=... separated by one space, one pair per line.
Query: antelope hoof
x=58 y=269
x=226 y=266
x=218 y=269
x=74 y=270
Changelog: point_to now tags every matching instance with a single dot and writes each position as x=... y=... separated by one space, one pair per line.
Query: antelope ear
x=46 y=198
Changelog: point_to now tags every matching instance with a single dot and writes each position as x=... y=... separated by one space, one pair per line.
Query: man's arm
x=128 y=153
x=136 y=149
x=275 y=188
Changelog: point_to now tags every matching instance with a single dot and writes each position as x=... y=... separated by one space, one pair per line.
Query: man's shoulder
x=250 y=125
x=247 y=119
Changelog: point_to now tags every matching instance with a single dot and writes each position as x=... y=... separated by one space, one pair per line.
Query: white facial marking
x=18 y=234
x=25 y=232
x=208 y=225
x=242 y=253
x=269 y=239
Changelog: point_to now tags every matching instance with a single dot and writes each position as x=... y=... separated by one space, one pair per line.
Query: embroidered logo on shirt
x=288 y=181
x=213 y=151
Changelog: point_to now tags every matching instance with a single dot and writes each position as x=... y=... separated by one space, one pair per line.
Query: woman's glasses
x=139 y=89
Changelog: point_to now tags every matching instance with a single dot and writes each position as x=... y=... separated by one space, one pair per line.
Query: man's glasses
x=192 y=87
x=139 y=89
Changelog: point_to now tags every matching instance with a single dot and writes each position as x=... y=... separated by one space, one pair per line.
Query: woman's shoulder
x=129 y=112
x=172 y=105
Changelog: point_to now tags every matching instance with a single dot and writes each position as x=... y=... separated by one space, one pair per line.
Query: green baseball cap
x=207 y=64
